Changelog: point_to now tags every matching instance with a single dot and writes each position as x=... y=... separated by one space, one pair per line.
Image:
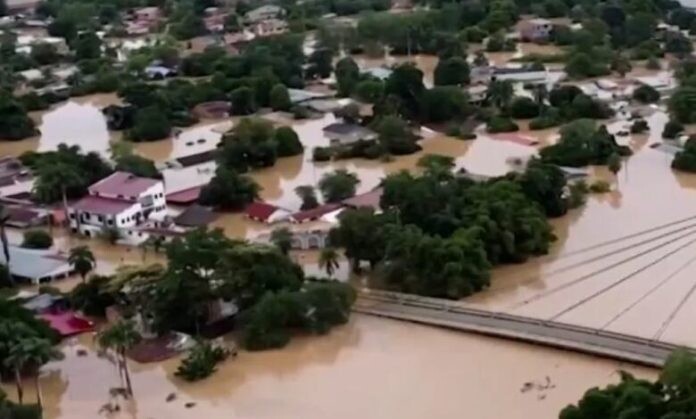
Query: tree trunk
x=39 y=398
x=126 y=373
x=18 y=383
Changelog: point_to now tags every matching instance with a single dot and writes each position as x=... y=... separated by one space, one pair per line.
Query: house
x=266 y=213
x=524 y=74
x=314 y=213
x=214 y=19
x=477 y=93
x=15 y=178
x=269 y=27
x=341 y=133
x=121 y=201
x=367 y=200
x=535 y=30
x=218 y=109
x=298 y=96
x=159 y=72
x=25 y=217
x=380 y=73
x=194 y=216
x=260 y=14
x=143 y=20
x=186 y=196
x=36 y=265
x=663 y=82
x=302 y=239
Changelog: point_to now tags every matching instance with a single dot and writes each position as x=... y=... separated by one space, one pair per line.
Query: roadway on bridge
x=450 y=315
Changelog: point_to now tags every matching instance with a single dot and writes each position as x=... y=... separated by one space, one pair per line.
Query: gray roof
x=341 y=128
x=35 y=264
x=298 y=95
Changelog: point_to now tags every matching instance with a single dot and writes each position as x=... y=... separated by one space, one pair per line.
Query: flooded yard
x=370 y=368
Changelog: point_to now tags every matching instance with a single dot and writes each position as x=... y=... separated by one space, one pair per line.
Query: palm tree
x=541 y=92
x=82 y=260
x=328 y=260
x=4 y=217
x=500 y=93
x=53 y=182
x=282 y=238
x=16 y=361
x=121 y=337
x=36 y=352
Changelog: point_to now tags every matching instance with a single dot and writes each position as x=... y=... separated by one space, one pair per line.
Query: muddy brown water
x=370 y=368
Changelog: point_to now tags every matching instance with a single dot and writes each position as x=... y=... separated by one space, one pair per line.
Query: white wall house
x=122 y=202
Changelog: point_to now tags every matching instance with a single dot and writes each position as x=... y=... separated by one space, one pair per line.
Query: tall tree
x=121 y=337
x=282 y=239
x=34 y=353
x=338 y=185
x=82 y=260
x=4 y=217
x=329 y=260
x=308 y=196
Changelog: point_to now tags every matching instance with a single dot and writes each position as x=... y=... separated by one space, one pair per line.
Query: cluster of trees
x=37 y=239
x=685 y=160
x=64 y=173
x=201 y=361
x=205 y=267
x=670 y=396
x=439 y=235
x=15 y=123
x=582 y=143
x=26 y=344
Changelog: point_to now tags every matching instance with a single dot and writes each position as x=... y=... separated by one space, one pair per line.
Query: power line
x=621 y=281
x=593 y=273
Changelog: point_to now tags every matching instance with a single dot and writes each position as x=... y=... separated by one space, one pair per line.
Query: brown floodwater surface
x=370 y=368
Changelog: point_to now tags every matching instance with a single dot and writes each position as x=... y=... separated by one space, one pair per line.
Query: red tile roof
x=185 y=196
x=315 y=213
x=367 y=200
x=123 y=183
x=260 y=211
x=101 y=205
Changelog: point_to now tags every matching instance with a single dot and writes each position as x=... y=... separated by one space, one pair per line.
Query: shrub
x=502 y=124
x=287 y=142
x=600 y=186
x=672 y=129
x=523 y=107
x=639 y=126
x=577 y=194
x=37 y=239
x=322 y=154
x=646 y=94
x=201 y=361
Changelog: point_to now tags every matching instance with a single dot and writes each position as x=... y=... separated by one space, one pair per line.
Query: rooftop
x=195 y=216
x=101 y=205
x=367 y=200
x=342 y=128
x=260 y=210
x=184 y=196
x=314 y=213
x=123 y=183
x=35 y=264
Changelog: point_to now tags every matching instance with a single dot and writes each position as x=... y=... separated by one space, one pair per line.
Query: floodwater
x=370 y=368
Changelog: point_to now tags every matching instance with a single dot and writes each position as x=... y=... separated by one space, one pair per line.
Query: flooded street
x=370 y=368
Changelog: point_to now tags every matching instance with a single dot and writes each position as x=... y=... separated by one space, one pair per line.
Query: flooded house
x=522 y=74
x=35 y=265
x=535 y=30
x=15 y=178
x=119 y=202
x=266 y=213
x=342 y=133
x=263 y=13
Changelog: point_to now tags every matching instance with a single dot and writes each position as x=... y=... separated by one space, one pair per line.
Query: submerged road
x=448 y=314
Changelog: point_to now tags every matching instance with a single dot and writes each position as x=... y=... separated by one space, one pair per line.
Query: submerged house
x=36 y=265
x=341 y=133
x=119 y=202
x=536 y=30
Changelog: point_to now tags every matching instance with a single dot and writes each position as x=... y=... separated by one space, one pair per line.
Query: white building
x=122 y=202
x=520 y=75
x=262 y=13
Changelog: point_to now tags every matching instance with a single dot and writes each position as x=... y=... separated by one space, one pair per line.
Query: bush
x=600 y=186
x=577 y=194
x=201 y=362
x=502 y=124
x=37 y=239
x=672 y=129
x=646 y=94
x=287 y=142
x=523 y=107
x=639 y=126
x=322 y=154
x=91 y=297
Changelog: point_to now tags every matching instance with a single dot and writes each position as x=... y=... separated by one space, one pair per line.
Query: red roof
x=124 y=184
x=260 y=211
x=67 y=323
x=314 y=213
x=101 y=205
x=184 y=197
x=517 y=139
x=367 y=200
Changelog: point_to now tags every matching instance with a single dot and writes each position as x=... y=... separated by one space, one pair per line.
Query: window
x=110 y=221
x=100 y=218
x=72 y=215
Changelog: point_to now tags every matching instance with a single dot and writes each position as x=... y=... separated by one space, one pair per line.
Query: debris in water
x=81 y=352
x=189 y=405
x=526 y=387
x=171 y=397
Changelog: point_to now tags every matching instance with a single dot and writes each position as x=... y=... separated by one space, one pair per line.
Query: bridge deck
x=448 y=314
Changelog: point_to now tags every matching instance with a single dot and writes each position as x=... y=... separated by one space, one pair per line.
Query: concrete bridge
x=449 y=314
